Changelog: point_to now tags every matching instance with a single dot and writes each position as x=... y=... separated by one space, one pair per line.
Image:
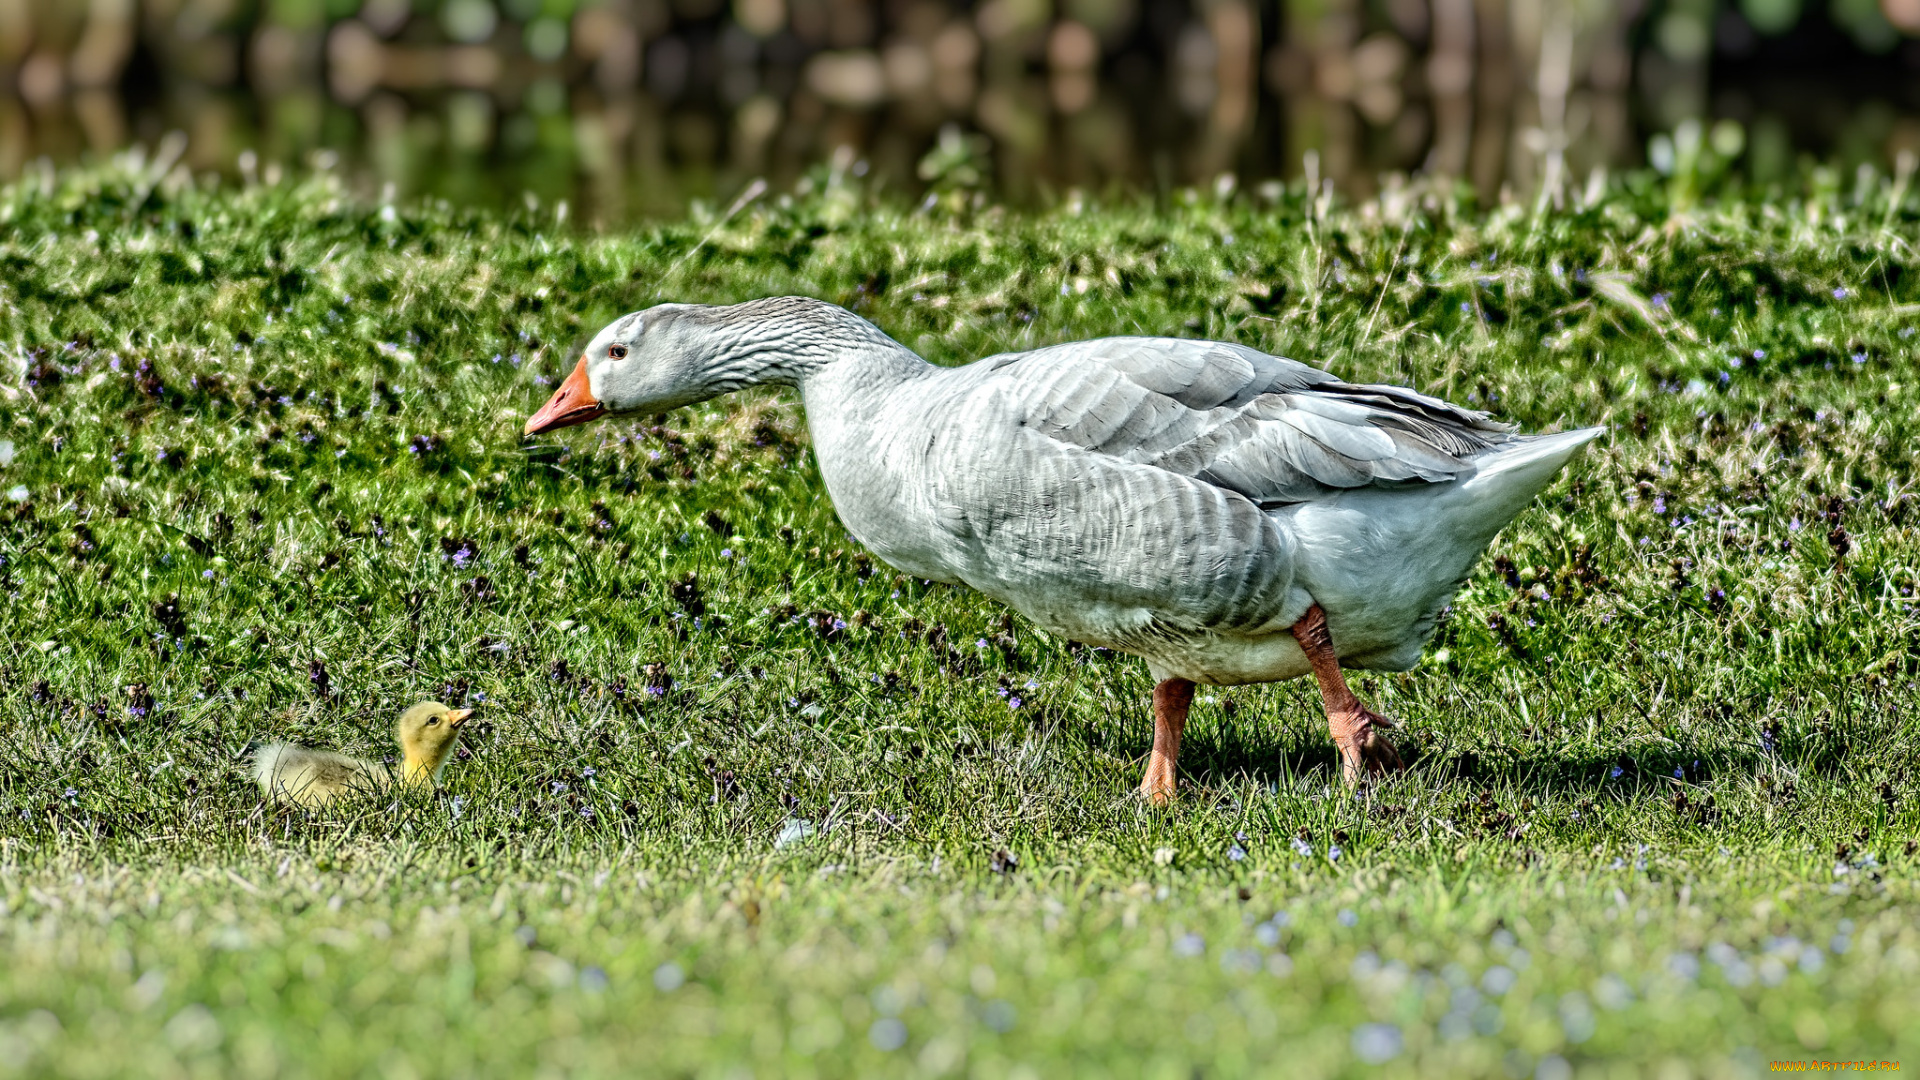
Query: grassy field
x=741 y=801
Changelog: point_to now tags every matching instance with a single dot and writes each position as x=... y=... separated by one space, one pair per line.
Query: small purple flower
x=1679 y=773
x=726 y=553
x=461 y=558
x=1840 y=292
x=1013 y=702
x=1236 y=853
x=558 y=787
x=208 y=574
x=1302 y=848
x=72 y=793
x=1759 y=354
x=586 y=812
x=1617 y=770
x=588 y=773
x=980 y=643
x=1859 y=358
x=1334 y=853
x=657 y=691
x=1794 y=525
x=1660 y=301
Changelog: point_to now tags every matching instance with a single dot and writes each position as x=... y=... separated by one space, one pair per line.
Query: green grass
x=1662 y=809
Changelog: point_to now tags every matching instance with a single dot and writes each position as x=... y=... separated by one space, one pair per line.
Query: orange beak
x=456 y=717
x=572 y=404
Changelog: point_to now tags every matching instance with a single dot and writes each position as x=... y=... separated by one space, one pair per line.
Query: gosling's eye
x=618 y=352
x=433 y=721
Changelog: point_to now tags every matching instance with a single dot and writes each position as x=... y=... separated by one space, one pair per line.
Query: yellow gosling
x=426 y=733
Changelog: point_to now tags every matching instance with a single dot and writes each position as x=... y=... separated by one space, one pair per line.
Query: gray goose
x=1229 y=516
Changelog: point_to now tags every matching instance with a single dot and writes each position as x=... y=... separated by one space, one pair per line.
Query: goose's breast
x=885 y=468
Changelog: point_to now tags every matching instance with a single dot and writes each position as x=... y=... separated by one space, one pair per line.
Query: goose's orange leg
x=1364 y=751
x=1171 y=699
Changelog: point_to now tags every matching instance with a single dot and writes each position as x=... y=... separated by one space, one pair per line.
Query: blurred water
x=633 y=108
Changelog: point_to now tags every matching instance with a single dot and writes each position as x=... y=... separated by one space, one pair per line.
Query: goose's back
x=1269 y=428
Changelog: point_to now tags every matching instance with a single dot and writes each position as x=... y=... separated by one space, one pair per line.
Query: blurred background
x=633 y=108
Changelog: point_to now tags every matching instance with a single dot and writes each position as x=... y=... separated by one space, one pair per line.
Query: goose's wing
x=1271 y=429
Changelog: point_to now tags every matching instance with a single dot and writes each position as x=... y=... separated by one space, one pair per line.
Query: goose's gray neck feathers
x=784 y=341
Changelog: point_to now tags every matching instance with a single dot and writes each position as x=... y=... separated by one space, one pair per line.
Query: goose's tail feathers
x=1529 y=452
x=1505 y=480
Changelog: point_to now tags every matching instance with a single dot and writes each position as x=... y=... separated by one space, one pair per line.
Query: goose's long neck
x=795 y=341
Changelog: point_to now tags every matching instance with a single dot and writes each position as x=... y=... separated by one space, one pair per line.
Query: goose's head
x=679 y=354
x=427 y=733
x=649 y=361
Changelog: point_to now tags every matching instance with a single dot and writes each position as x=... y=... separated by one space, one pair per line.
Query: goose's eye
x=433 y=721
x=618 y=352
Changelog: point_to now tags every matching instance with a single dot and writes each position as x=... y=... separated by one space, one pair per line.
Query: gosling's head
x=427 y=734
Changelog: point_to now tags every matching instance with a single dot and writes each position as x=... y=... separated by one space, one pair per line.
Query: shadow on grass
x=1269 y=756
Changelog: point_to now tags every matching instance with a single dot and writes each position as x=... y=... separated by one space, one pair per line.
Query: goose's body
x=426 y=734
x=310 y=777
x=1190 y=502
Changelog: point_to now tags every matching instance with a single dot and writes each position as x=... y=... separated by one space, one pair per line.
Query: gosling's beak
x=456 y=717
x=572 y=404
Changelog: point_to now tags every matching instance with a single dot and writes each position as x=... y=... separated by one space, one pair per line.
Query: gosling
x=426 y=733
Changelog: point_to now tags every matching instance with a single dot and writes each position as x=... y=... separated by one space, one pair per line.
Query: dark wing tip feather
x=1406 y=398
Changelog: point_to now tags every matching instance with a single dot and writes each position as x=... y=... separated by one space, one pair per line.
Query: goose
x=1227 y=515
x=426 y=734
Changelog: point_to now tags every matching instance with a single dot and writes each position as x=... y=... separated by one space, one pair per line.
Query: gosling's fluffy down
x=313 y=777
x=426 y=734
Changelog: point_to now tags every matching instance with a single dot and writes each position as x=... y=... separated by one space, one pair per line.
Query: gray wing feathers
x=1196 y=378
x=1096 y=407
x=1359 y=441
x=1271 y=429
